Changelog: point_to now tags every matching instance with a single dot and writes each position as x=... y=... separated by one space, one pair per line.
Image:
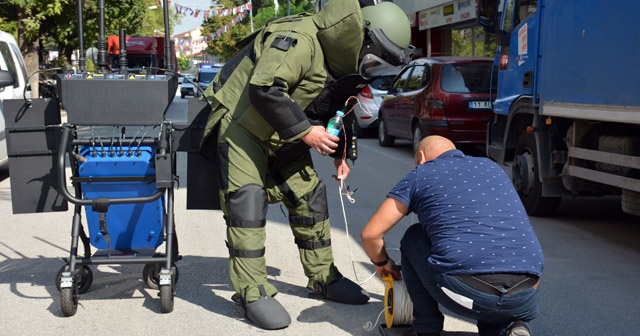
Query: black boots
x=342 y=290
x=266 y=312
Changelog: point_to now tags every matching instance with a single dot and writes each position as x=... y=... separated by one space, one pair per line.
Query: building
x=192 y=44
x=434 y=21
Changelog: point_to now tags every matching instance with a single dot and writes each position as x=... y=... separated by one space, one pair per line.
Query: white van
x=13 y=79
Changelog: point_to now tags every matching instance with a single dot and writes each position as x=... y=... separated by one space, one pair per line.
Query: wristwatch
x=381 y=263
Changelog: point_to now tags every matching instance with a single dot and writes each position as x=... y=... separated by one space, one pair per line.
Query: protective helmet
x=387 y=37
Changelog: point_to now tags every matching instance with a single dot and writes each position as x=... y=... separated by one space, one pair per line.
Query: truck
x=142 y=52
x=567 y=111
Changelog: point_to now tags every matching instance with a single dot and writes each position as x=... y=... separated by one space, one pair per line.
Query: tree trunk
x=29 y=51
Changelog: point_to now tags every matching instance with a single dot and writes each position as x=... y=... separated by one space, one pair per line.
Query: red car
x=447 y=96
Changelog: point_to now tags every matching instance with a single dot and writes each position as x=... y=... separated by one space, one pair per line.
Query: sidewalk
x=119 y=302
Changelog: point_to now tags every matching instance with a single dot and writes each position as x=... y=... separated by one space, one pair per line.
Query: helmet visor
x=377 y=43
x=373 y=66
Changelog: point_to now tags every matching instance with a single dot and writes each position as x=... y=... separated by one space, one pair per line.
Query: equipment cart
x=125 y=184
x=119 y=149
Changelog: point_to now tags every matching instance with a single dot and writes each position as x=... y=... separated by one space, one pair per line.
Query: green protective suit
x=265 y=100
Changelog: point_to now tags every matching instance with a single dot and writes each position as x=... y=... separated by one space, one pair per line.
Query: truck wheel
x=525 y=179
x=631 y=202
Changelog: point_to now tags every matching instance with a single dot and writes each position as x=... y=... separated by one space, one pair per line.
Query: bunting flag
x=226 y=28
x=207 y=13
x=217 y=33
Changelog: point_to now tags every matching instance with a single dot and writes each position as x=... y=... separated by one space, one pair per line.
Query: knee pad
x=317 y=209
x=247 y=206
x=317 y=201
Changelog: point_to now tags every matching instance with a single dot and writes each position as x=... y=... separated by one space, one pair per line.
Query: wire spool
x=398 y=305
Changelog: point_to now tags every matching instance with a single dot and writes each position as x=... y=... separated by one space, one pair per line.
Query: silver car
x=368 y=103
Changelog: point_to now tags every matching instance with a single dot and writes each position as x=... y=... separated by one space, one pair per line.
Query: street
x=589 y=284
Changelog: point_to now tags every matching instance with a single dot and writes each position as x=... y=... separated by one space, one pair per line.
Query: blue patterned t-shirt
x=473 y=216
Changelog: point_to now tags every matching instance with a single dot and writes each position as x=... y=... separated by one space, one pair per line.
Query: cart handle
x=64 y=142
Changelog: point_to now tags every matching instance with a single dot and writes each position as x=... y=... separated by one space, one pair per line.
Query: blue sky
x=189 y=22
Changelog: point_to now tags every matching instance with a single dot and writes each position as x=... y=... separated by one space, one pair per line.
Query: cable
x=369 y=326
x=24 y=91
x=346 y=226
x=399 y=308
x=142 y=138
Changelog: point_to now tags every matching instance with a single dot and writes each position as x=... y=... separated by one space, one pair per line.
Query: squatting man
x=473 y=249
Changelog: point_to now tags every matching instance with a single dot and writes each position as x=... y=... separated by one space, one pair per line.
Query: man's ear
x=420 y=158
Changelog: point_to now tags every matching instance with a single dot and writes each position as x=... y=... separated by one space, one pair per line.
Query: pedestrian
x=270 y=105
x=473 y=249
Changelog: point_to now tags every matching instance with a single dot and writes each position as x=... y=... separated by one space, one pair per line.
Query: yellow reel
x=389 y=293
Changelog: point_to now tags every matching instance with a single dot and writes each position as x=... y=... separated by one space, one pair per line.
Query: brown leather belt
x=483 y=286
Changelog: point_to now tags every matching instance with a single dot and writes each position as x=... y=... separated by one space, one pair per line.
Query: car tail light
x=504 y=62
x=435 y=110
x=366 y=92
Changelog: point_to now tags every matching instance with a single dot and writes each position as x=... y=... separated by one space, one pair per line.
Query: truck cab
x=144 y=54
x=566 y=119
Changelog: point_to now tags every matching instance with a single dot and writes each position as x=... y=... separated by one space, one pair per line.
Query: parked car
x=447 y=96
x=188 y=86
x=368 y=102
x=13 y=80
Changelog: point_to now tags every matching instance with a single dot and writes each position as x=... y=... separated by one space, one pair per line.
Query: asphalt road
x=588 y=287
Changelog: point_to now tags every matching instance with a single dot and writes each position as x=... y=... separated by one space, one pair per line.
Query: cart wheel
x=69 y=300
x=166 y=298
x=151 y=275
x=85 y=278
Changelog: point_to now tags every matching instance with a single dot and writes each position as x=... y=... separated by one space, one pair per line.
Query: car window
x=8 y=58
x=382 y=82
x=16 y=52
x=415 y=80
x=474 y=77
x=207 y=76
x=426 y=79
x=402 y=79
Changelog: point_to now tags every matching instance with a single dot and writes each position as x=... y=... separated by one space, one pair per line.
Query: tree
x=224 y=46
x=183 y=63
x=473 y=42
x=32 y=21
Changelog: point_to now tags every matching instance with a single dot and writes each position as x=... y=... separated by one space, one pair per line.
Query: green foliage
x=472 y=42
x=183 y=63
x=224 y=46
x=42 y=19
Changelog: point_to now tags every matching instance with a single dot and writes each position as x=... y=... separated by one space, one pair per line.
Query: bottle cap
x=340 y=113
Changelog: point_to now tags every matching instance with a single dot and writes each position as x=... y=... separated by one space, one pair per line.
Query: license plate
x=479 y=104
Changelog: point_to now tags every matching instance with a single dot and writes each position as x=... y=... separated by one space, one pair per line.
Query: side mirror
x=6 y=79
x=488 y=14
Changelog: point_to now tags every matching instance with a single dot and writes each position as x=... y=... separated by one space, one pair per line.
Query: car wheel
x=417 y=136
x=384 y=139
x=182 y=95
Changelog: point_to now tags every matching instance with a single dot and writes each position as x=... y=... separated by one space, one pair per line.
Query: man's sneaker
x=342 y=290
x=518 y=328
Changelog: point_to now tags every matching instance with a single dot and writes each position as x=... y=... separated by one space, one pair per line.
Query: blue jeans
x=494 y=313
